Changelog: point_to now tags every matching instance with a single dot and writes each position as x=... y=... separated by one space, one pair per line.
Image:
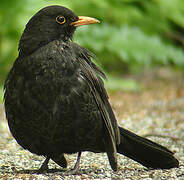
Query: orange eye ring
x=60 y=19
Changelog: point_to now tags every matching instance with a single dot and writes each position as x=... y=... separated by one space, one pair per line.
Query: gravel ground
x=146 y=113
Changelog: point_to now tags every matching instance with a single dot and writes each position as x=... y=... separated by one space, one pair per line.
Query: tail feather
x=146 y=152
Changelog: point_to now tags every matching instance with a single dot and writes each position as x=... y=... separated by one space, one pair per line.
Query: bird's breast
x=47 y=100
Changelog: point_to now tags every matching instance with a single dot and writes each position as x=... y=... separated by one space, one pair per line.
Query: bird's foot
x=44 y=167
x=75 y=170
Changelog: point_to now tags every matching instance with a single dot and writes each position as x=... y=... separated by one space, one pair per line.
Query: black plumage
x=56 y=103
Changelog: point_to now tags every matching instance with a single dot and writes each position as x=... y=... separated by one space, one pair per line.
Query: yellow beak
x=84 y=20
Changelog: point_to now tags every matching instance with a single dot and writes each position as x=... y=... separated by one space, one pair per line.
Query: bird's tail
x=146 y=152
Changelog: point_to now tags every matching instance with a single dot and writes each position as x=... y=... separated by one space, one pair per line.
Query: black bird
x=56 y=103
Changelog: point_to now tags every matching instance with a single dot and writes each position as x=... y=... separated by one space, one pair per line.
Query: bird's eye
x=60 y=19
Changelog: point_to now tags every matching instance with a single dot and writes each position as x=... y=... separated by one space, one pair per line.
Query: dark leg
x=76 y=167
x=44 y=166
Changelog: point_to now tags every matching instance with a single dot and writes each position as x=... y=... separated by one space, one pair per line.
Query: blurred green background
x=134 y=35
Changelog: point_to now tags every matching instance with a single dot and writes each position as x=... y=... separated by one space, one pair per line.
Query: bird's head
x=48 y=24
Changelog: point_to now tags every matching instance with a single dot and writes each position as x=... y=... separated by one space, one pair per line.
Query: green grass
x=121 y=84
x=1 y=94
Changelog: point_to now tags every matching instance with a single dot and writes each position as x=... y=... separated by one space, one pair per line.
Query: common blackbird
x=56 y=103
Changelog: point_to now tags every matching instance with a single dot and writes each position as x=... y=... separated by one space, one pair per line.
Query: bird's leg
x=76 y=167
x=44 y=166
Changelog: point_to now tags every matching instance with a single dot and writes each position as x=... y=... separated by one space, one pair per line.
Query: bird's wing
x=92 y=75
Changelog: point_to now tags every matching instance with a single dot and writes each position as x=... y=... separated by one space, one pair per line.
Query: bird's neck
x=28 y=46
